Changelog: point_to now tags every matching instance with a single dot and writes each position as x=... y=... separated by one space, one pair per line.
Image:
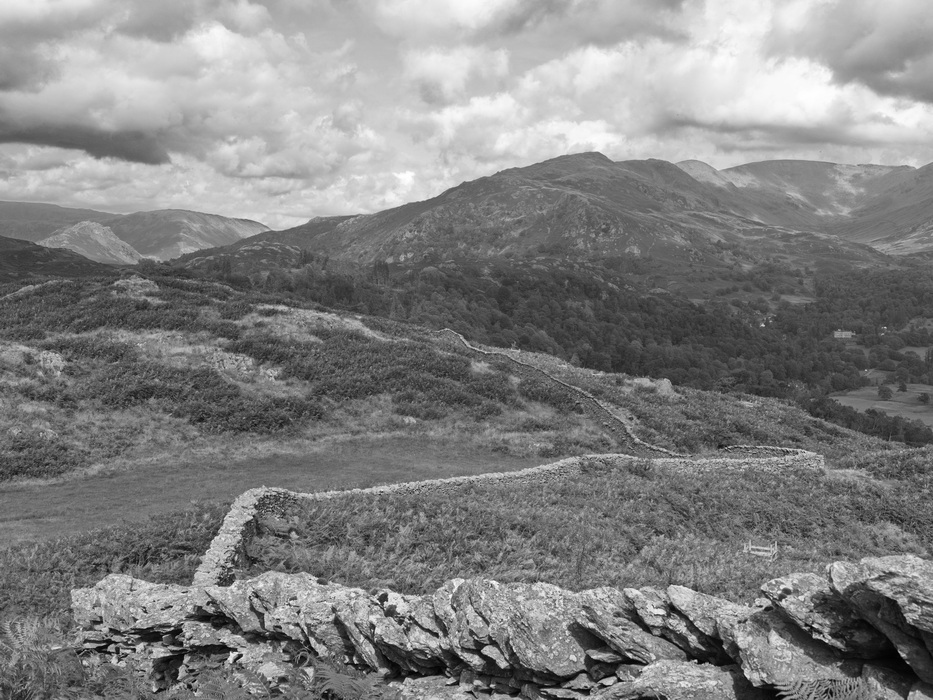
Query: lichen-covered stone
x=895 y=595
x=772 y=650
x=603 y=612
x=885 y=684
x=656 y=612
x=707 y=613
x=683 y=680
x=531 y=625
x=811 y=603
x=122 y=602
x=498 y=638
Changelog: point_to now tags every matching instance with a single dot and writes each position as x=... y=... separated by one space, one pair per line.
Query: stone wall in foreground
x=228 y=548
x=862 y=631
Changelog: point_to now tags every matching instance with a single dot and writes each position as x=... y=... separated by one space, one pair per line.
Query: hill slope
x=162 y=234
x=168 y=233
x=32 y=222
x=587 y=207
x=95 y=242
x=20 y=260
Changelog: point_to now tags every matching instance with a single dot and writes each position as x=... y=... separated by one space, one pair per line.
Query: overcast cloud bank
x=286 y=109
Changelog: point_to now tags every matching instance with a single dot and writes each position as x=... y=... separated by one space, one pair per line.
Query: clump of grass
x=626 y=527
x=32 y=455
x=37 y=578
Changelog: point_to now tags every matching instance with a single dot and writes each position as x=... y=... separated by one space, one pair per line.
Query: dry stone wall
x=534 y=640
x=227 y=550
x=861 y=631
x=598 y=410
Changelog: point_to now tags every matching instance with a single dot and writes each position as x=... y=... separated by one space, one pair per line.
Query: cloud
x=886 y=46
x=135 y=146
x=443 y=74
x=229 y=98
x=566 y=22
x=421 y=18
x=283 y=109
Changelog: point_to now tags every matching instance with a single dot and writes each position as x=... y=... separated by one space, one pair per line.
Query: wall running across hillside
x=213 y=613
x=598 y=410
x=228 y=550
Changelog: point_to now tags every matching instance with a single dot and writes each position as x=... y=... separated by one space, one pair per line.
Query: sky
x=283 y=110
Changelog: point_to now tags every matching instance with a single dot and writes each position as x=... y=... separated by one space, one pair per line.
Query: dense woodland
x=602 y=317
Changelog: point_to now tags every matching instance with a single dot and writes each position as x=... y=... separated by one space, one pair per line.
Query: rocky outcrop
x=864 y=630
x=94 y=241
x=811 y=603
x=895 y=596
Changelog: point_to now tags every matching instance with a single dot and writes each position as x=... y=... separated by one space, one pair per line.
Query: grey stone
x=429 y=688
x=821 y=612
x=532 y=625
x=772 y=650
x=124 y=603
x=708 y=613
x=656 y=612
x=921 y=691
x=885 y=684
x=894 y=594
x=604 y=614
x=684 y=680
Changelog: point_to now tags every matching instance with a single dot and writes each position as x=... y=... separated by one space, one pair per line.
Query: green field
x=42 y=511
x=905 y=404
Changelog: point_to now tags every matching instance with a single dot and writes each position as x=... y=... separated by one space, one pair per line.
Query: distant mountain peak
x=168 y=233
x=703 y=172
x=95 y=242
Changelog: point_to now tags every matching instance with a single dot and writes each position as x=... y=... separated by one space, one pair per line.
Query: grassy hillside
x=114 y=390
x=642 y=525
x=22 y=262
x=148 y=392
x=96 y=373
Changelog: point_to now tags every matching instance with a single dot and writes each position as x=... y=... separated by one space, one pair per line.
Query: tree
x=885 y=393
x=902 y=386
x=924 y=397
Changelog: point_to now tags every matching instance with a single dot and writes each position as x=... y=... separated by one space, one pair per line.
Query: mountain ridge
x=160 y=234
x=587 y=206
x=20 y=260
x=95 y=242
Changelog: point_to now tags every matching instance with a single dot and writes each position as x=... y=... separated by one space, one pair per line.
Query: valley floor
x=904 y=404
x=46 y=511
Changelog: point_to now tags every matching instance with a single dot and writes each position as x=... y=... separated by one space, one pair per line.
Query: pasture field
x=43 y=511
x=905 y=404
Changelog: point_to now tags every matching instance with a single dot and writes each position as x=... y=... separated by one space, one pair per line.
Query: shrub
x=38 y=456
x=546 y=392
x=200 y=395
